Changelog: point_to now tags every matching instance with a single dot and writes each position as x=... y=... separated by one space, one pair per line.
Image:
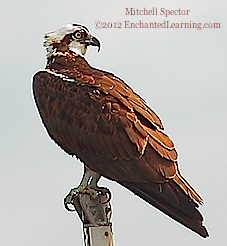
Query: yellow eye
x=78 y=35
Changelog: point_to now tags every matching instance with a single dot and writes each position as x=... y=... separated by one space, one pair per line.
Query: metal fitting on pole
x=95 y=214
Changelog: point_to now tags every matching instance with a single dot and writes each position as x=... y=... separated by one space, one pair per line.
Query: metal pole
x=95 y=215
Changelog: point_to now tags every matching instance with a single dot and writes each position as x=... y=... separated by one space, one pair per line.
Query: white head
x=73 y=37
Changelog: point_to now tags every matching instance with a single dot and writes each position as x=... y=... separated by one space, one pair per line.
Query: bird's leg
x=101 y=190
x=88 y=185
x=88 y=173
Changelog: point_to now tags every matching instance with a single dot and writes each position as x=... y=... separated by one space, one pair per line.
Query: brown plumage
x=95 y=116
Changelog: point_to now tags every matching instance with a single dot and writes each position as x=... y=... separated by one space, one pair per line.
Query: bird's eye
x=78 y=35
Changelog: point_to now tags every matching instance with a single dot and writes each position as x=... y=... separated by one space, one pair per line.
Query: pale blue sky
x=181 y=73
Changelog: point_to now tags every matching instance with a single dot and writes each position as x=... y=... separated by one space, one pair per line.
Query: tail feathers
x=171 y=200
x=187 y=188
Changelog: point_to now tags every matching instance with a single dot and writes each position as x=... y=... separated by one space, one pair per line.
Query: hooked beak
x=93 y=41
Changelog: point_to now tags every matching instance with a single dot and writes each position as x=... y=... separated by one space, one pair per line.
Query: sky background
x=181 y=73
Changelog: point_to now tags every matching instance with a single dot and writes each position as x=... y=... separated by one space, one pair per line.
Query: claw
x=88 y=185
x=68 y=200
x=106 y=191
x=108 y=197
x=66 y=205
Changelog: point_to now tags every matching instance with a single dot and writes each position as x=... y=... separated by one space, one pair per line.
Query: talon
x=108 y=197
x=105 y=191
x=88 y=185
x=66 y=205
x=69 y=200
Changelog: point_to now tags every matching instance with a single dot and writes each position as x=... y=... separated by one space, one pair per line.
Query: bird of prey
x=95 y=116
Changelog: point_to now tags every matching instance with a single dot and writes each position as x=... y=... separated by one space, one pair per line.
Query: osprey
x=97 y=117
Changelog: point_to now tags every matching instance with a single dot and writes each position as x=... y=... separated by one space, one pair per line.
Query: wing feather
x=100 y=115
x=172 y=201
x=114 y=127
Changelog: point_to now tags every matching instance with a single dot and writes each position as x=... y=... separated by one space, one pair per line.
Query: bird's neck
x=67 y=60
